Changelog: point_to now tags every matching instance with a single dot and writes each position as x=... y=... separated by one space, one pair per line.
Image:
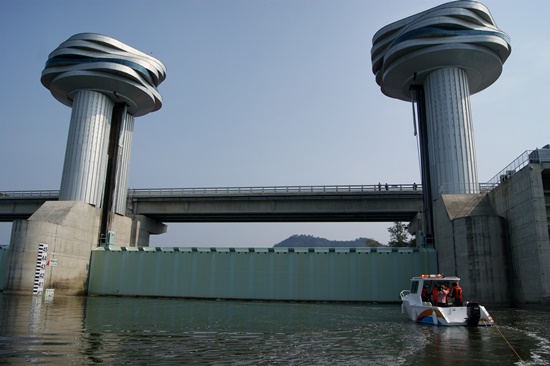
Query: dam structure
x=92 y=237
x=107 y=84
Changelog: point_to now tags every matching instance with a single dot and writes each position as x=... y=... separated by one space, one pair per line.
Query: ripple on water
x=175 y=331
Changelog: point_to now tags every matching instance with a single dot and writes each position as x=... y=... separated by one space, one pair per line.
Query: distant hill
x=308 y=241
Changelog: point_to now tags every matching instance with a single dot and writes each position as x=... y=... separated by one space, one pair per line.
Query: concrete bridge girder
x=288 y=208
x=19 y=209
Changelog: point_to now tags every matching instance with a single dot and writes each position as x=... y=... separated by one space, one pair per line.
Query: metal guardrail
x=133 y=192
x=527 y=157
x=274 y=190
x=29 y=194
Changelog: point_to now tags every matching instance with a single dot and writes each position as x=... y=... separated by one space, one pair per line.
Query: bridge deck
x=352 y=203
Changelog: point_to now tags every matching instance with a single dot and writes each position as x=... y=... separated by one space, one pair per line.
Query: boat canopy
x=435 y=277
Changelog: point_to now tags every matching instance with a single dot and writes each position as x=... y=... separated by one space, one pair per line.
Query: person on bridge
x=456 y=293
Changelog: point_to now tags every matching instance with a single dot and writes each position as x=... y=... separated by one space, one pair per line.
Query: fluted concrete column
x=85 y=159
x=453 y=166
x=123 y=166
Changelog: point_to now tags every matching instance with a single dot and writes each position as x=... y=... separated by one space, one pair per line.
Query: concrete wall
x=471 y=243
x=521 y=201
x=122 y=227
x=367 y=274
x=499 y=243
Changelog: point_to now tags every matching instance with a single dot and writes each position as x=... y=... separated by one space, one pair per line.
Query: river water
x=116 y=330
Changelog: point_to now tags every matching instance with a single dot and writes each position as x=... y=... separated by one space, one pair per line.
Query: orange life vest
x=457 y=292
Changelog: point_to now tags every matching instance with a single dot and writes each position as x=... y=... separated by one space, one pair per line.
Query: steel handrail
x=275 y=189
x=233 y=190
x=51 y=193
x=529 y=156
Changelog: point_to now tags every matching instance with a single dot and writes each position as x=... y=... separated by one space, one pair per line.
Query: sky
x=260 y=93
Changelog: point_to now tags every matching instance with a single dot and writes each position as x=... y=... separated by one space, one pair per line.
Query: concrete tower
x=437 y=59
x=107 y=84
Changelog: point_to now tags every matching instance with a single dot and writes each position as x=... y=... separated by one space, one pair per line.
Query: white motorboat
x=471 y=313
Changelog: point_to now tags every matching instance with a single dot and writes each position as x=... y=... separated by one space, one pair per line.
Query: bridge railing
x=528 y=157
x=29 y=194
x=274 y=190
x=233 y=190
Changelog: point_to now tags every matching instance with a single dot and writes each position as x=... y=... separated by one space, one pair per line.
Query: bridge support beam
x=142 y=228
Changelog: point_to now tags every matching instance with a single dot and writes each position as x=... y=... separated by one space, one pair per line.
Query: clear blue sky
x=259 y=93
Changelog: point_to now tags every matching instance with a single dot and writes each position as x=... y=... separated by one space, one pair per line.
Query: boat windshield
x=430 y=284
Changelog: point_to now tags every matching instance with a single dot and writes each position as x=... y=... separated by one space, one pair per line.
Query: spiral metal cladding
x=459 y=34
x=90 y=61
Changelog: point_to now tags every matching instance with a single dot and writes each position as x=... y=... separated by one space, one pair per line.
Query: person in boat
x=425 y=297
x=456 y=293
x=435 y=289
x=442 y=296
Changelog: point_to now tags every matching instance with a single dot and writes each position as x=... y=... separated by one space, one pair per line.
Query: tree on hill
x=309 y=241
x=373 y=243
x=399 y=236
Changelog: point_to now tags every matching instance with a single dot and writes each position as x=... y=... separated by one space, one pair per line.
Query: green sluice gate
x=292 y=274
x=4 y=250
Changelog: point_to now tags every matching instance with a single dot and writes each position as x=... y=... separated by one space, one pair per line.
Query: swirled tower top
x=459 y=34
x=90 y=61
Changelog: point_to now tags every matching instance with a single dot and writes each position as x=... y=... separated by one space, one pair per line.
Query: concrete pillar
x=451 y=147
x=142 y=228
x=85 y=159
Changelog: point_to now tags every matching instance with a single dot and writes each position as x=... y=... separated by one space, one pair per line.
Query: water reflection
x=175 y=331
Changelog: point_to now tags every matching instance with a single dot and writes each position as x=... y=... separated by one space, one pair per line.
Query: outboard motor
x=474 y=314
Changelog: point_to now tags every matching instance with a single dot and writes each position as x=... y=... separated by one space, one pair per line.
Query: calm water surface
x=111 y=330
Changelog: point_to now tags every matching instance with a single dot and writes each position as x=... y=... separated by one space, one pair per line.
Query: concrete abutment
x=471 y=244
x=498 y=242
